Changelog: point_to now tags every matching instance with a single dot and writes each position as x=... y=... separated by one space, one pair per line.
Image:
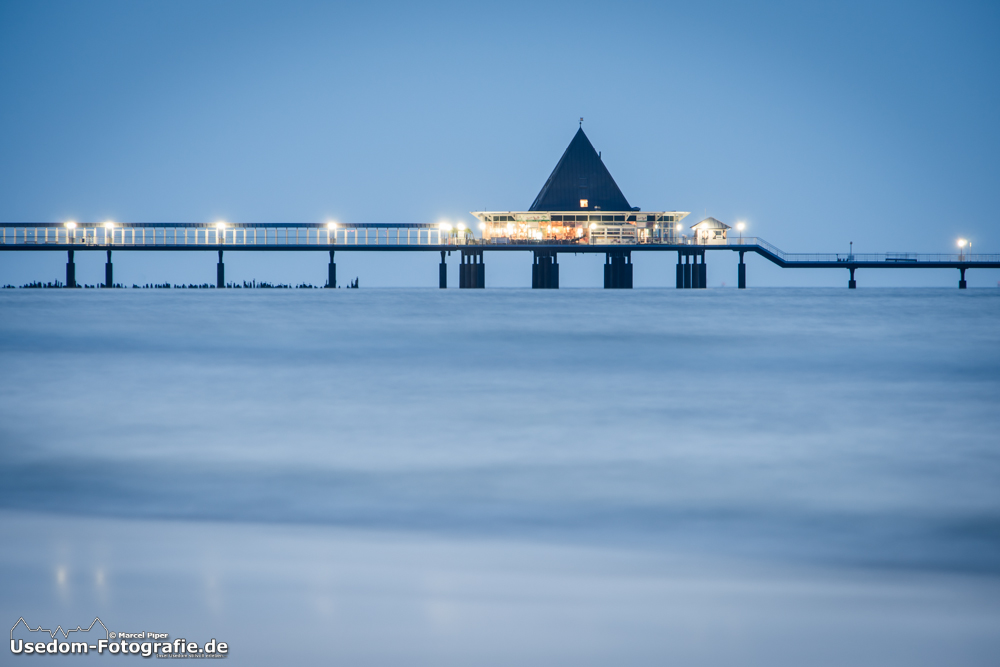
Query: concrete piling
x=472 y=270
x=70 y=270
x=545 y=270
x=618 y=269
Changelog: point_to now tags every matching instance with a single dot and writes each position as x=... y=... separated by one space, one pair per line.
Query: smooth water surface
x=487 y=477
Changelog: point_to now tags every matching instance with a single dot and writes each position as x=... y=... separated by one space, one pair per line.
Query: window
x=583 y=203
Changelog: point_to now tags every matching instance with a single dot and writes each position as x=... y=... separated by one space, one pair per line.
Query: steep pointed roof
x=580 y=174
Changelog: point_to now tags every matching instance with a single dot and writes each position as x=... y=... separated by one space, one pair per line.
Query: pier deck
x=419 y=237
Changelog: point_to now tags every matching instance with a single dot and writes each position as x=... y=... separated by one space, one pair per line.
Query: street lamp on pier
x=961 y=248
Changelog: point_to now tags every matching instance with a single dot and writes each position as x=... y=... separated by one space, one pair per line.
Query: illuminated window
x=583 y=203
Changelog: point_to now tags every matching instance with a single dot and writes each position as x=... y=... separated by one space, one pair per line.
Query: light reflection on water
x=512 y=476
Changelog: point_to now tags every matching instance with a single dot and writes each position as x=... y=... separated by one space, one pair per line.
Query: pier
x=579 y=210
x=692 y=253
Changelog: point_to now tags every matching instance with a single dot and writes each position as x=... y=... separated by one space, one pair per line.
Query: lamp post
x=740 y=226
x=961 y=249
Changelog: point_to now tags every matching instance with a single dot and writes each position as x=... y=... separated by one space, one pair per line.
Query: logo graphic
x=65 y=633
x=55 y=646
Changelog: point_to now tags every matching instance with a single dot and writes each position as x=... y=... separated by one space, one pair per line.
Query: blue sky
x=819 y=124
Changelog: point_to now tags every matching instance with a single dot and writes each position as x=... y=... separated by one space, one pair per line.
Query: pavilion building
x=581 y=203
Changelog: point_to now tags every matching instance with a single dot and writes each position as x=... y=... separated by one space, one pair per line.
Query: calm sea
x=787 y=476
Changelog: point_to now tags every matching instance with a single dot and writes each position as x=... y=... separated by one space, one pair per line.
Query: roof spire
x=581 y=121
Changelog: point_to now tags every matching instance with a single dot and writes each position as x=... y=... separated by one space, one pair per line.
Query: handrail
x=179 y=235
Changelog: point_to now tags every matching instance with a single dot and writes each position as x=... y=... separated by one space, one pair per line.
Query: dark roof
x=580 y=174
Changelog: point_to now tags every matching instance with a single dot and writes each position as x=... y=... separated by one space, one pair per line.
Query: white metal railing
x=180 y=235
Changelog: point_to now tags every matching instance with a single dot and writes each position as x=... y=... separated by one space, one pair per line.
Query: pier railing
x=181 y=234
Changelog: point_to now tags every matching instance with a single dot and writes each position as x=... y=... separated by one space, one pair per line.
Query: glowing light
x=593 y=225
x=109 y=225
x=741 y=226
x=482 y=225
x=962 y=243
x=331 y=225
x=70 y=225
x=220 y=225
x=444 y=226
x=459 y=226
x=583 y=203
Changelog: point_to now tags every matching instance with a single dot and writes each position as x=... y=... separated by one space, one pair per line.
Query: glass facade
x=573 y=227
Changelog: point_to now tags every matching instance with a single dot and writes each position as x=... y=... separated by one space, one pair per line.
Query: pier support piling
x=742 y=274
x=852 y=283
x=109 y=278
x=331 y=274
x=70 y=271
x=220 y=273
x=961 y=281
x=545 y=270
x=691 y=274
x=472 y=270
x=443 y=272
x=618 y=269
